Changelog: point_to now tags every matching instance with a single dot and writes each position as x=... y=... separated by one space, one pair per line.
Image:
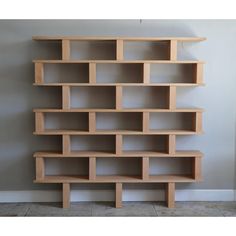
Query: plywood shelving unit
x=87 y=76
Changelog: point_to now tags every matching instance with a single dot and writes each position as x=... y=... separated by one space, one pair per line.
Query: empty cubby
x=66 y=166
x=66 y=73
x=119 y=73
x=172 y=121
x=153 y=143
x=49 y=50
x=69 y=121
x=173 y=73
x=119 y=166
x=129 y=121
x=93 y=97
x=145 y=97
x=93 y=50
x=170 y=166
x=104 y=143
x=147 y=50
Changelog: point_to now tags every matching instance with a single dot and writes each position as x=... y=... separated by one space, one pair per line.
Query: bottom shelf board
x=52 y=154
x=117 y=178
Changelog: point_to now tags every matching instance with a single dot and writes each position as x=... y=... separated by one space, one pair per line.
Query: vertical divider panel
x=66 y=195
x=118 y=195
x=145 y=168
x=197 y=122
x=197 y=168
x=173 y=50
x=146 y=73
x=171 y=143
x=172 y=97
x=119 y=144
x=65 y=49
x=92 y=168
x=198 y=73
x=39 y=121
x=119 y=49
x=66 y=144
x=65 y=97
x=146 y=121
x=39 y=73
x=118 y=97
x=40 y=168
x=170 y=195
x=92 y=73
x=92 y=121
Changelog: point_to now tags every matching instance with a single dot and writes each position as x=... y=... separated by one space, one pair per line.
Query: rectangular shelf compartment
x=119 y=121
x=119 y=72
x=66 y=73
x=173 y=73
x=93 y=97
x=146 y=97
x=147 y=50
x=93 y=50
x=66 y=122
x=93 y=144
x=145 y=144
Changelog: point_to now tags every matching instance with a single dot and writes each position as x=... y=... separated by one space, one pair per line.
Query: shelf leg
x=170 y=195
x=65 y=49
x=65 y=144
x=39 y=73
x=146 y=73
x=118 y=195
x=119 y=144
x=65 y=97
x=173 y=50
x=172 y=143
x=66 y=195
x=146 y=121
x=39 y=121
x=172 y=98
x=198 y=73
x=119 y=49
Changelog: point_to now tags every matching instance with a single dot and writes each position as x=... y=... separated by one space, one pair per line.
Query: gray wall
x=18 y=97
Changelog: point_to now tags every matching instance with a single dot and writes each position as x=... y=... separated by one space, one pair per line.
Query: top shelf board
x=88 y=38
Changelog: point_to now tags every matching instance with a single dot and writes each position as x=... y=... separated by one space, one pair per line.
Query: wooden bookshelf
x=88 y=70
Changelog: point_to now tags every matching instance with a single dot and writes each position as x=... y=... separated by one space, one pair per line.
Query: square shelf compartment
x=147 y=50
x=95 y=143
x=119 y=121
x=119 y=167
x=179 y=121
x=66 y=166
x=66 y=73
x=119 y=73
x=145 y=143
x=66 y=121
x=93 y=97
x=93 y=50
x=170 y=166
x=173 y=73
x=145 y=97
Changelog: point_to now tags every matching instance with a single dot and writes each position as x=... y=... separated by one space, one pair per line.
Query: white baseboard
x=108 y=195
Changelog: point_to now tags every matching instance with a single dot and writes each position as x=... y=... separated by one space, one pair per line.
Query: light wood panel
x=39 y=72
x=40 y=168
x=96 y=38
x=66 y=195
x=92 y=168
x=65 y=144
x=92 y=73
x=173 y=49
x=39 y=122
x=197 y=173
x=171 y=144
x=118 y=195
x=146 y=118
x=118 y=97
x=65 y=49
x=92 y=122
x=66 y=97
x=119 y=49
x=119 y=144
x=145 y=168
x=146 y=73
x=170 y=194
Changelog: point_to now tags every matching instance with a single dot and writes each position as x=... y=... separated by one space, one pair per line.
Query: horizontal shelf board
x=116 y=178
x=122 y=110
x=183 y=39
x=120 y=84
x=114 y=132
x=124 y=154
x=120 y=61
